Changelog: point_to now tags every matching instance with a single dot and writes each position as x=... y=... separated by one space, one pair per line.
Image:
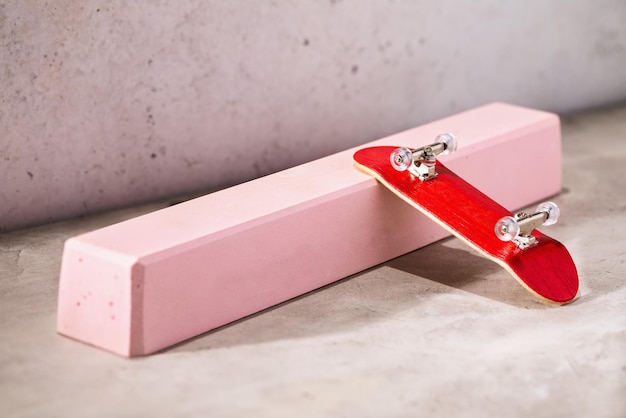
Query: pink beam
x=142 y=285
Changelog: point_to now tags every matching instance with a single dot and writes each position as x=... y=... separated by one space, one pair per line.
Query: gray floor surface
x=437 y=332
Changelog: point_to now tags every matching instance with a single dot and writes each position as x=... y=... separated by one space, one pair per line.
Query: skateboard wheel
x=449 y=140
x=401 y=159
x=507 y=228
x=552 y=210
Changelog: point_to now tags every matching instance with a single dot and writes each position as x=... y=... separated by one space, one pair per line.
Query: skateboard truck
x=421 y=161
x=519 y=227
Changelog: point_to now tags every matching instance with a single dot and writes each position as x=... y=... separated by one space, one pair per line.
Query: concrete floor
x=437 y=332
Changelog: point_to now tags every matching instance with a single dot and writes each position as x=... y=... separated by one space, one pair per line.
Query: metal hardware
x=519 y=227
x=527 y=223
x=421 y=161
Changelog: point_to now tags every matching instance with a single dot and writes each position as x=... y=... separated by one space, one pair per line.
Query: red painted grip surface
x=546 y=269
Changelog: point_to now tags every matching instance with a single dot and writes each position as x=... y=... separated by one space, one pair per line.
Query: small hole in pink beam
x=80 y=260
x=112 y=317
x=78 y=303
x=111 y=303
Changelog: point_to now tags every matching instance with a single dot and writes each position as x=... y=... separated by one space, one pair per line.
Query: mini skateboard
x=539 y=263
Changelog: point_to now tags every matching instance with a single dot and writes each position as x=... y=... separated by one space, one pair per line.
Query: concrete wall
x=104 y=104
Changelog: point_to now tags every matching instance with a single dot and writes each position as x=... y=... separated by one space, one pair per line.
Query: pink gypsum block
x=139 y=286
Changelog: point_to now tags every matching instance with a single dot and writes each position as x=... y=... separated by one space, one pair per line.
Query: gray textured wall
x=110 y=103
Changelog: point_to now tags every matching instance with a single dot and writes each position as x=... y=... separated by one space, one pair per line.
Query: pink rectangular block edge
x=142 y=285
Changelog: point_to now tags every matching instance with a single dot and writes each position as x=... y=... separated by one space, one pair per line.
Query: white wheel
x=449 y=140
x=552 y=210
x=401 y=159
x=507 y=228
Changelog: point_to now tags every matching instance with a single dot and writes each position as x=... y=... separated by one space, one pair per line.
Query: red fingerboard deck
x=545 y=269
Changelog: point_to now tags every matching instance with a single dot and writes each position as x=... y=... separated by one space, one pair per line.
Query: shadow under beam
x=451 y=263
x=372 y=296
